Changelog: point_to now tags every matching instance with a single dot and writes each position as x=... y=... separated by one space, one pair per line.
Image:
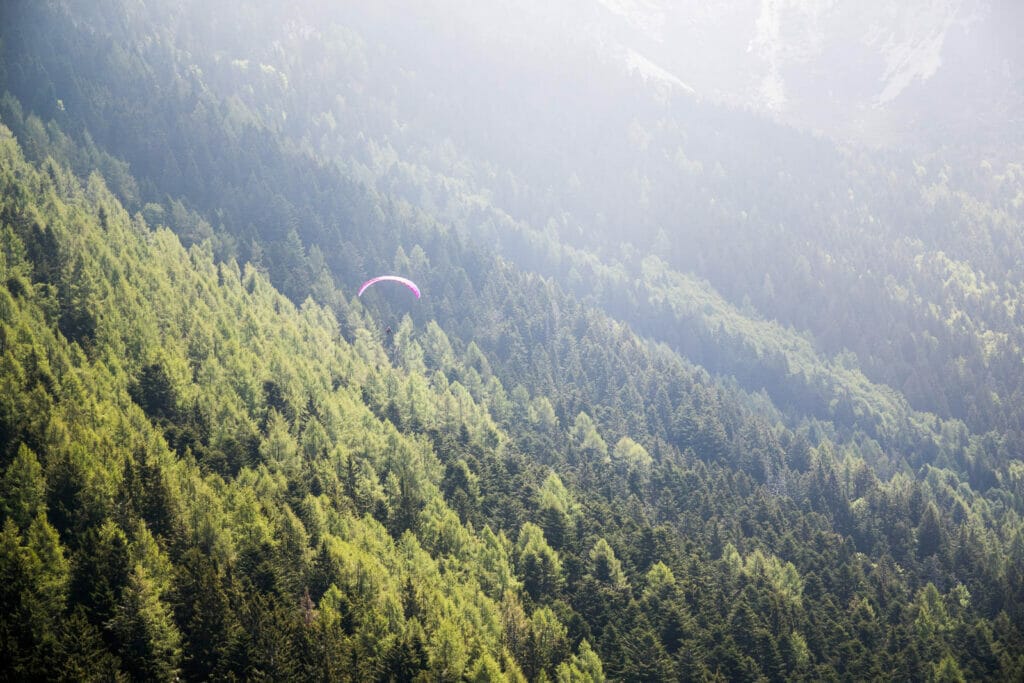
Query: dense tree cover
x=197 y=486
x=204 y=478
x=193 y=484
x=908 y=263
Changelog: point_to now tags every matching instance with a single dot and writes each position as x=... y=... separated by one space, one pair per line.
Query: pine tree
x=538 y=564
x=930 y=536
x=23 y=488
x=149 y=642
x=583 y=667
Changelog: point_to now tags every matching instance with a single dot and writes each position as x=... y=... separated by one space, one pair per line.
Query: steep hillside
x=667 y=408
x=196 y=482
x=193 y=483
x=337 y=131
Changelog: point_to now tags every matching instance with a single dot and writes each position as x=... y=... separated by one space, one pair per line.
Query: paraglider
x=389 y=340
x=391 y=278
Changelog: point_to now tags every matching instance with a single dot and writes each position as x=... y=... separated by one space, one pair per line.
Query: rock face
x=915 y=72
x=874 y=70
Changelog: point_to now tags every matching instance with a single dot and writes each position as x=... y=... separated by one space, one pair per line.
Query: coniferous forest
x=691 y=393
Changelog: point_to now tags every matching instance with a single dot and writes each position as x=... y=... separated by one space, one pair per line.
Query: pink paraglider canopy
x=393 y=278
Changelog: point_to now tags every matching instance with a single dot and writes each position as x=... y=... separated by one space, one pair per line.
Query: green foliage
x=23 y=488
x=142 y=624
x=604 y=567
x=538 y=565
x=586 y=438
x=201 y=527
x=584 y=667
x=715 y=462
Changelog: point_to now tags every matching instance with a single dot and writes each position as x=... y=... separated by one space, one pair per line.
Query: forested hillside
x=688 y=395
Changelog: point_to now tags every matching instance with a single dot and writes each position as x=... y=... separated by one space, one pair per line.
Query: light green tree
x=149 y=642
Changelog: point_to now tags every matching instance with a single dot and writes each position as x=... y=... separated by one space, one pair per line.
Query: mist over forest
x=706 y=359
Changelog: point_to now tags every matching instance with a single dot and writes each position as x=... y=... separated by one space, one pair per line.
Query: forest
x=668 y=409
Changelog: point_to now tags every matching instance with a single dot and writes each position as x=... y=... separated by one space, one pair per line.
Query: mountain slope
x=788 y=516
x=203 y=446
x=211 y=439
x=921 y=288
x=913 y=74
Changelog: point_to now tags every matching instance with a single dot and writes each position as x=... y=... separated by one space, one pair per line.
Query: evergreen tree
x=23 y=488
x=149 y=642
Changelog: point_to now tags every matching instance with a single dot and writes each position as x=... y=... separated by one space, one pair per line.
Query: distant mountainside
x=878 y=72
x=691 y=393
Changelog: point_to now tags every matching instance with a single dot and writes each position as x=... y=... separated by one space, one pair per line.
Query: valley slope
x=688 y=394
